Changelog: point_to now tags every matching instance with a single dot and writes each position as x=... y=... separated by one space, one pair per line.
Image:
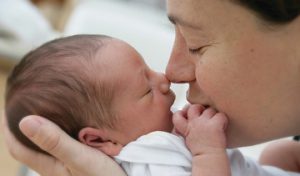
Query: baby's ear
x=97 y=139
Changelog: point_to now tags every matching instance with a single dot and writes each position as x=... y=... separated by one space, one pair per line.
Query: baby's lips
x=173 y=94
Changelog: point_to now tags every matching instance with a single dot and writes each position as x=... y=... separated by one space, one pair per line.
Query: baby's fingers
x=208 y=113
x=180 y=123
x=221 y=119
x=195 y=111
x=184 y=110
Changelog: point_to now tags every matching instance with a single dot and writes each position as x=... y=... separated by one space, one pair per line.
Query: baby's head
x=96 y=88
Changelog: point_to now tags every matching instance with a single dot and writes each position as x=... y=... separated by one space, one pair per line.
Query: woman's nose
x=180 y=70
x=181 y=67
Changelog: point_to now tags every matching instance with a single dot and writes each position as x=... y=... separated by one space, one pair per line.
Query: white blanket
x=164 y=154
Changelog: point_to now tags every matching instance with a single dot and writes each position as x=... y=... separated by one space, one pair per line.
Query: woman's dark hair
x=273 y=11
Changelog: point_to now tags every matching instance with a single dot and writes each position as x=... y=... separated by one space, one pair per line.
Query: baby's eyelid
x=148 y=91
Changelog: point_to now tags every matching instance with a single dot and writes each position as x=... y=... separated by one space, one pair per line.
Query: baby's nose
x=164 y=85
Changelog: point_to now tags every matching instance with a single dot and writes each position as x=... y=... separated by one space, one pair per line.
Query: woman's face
x=236 y=64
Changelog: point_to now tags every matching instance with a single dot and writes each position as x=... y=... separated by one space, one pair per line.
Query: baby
x=100 y=91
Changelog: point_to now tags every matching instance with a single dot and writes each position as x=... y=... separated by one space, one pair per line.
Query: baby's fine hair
x=58 y=81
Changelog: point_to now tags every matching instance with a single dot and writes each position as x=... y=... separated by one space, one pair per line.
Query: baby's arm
x=204 y=133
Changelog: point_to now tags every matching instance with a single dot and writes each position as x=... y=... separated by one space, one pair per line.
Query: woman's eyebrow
x=177 y=20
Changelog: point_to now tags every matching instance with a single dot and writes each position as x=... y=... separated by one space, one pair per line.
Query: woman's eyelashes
x=195 y=51
x=199 y=50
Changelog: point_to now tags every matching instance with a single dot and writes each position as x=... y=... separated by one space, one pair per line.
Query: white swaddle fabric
x=157 y=153
x=165 y=154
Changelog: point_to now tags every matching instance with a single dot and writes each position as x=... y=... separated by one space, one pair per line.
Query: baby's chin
x=171 y=129
x=168 y=129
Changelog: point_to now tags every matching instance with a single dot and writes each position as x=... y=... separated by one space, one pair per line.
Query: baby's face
x=142 y=98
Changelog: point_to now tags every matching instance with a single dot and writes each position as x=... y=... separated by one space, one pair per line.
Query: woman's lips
x=192 y=99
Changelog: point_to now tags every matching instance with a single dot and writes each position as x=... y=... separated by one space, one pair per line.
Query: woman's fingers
x=49 y=137
x=32 y=159
x=70 y=158
x=77 y=158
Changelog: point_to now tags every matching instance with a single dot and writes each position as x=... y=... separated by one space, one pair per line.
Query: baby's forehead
x=121 y=45
x=117 y=59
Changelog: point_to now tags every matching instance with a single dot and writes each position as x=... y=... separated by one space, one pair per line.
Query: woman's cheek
x=209 y=77
x=217 y=81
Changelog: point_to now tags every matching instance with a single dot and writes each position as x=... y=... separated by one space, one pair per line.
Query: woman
x=241 y=64
x=240 y=57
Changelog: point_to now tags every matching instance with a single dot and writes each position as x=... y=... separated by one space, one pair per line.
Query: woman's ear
x=97 y=138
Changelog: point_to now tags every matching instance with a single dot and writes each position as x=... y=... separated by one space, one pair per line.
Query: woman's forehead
x=193 y=13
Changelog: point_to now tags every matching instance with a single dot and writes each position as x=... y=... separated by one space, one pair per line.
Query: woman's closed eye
x=195 y=51
x=199 y=50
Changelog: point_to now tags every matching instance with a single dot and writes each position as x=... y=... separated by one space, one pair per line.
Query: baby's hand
x=203 y=129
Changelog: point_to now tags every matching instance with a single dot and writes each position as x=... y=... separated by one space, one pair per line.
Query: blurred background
x=26 y=24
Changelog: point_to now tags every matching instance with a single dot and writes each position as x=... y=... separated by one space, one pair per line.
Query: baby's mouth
x=173 y=95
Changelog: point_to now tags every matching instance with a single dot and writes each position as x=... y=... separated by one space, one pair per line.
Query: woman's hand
x=70 y=158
